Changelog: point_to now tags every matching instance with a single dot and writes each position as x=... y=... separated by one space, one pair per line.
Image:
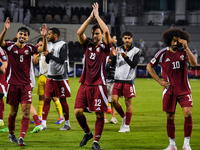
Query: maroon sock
x=36 y=120
x=11 y=124
x=171 y=129
x=46 y=108
x=99 y=128
x=83 y=123
x=24 y=126
x=128 y=118
x=120 y=111
x=2 y=107
x=188 y=127
x=65 y=108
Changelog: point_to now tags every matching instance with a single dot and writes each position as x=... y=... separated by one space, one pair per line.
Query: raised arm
x=81 y=36
x=107 y=38
x=2 y=36
x=43 y=32
x=192 y=59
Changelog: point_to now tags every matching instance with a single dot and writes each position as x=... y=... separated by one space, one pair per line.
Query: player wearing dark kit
x=173 y=60
x=92 y=91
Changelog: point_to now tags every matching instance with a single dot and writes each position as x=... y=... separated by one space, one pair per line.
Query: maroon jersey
x=94 y=70
x=3 y=58
x=174 y=69
x=19 y=60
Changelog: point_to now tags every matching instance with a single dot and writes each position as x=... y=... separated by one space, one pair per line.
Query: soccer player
x=57 y=84
x=3 y=83
x=19 y=91
x=40 y=58
x=110 y=72
x=92 y=91
x=126 y=58
x=173 y=60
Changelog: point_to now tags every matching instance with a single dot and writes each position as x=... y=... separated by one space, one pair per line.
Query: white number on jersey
x=21 y=58
x=92 y=56
x=98 y=102
x=176 y=65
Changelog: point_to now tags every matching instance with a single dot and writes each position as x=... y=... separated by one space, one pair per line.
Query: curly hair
x=168 y=35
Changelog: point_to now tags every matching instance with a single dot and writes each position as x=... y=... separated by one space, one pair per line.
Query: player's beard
x=21 y=42
x=175 y=48
x=51 y=39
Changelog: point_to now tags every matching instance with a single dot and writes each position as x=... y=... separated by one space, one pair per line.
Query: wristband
x=1 y=63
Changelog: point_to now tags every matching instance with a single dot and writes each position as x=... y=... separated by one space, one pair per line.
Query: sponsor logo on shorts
x=98 y=108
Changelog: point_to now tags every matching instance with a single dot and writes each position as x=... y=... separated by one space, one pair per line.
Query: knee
x=14 y=113
x=188 y=114
x=100 y=115
x=128 y=103
x=78 y=112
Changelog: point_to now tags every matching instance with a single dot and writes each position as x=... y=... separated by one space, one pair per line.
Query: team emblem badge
x=182 y=57
x=26 y=52
x=97 y=49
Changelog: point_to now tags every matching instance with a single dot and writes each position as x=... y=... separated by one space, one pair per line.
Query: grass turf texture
x=148 y=124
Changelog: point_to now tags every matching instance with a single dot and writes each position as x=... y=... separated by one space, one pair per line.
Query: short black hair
x=40 y=39
x=128 y=33
x=55 y=31
x=168 y=35
x=97 y=26
x=24 y=29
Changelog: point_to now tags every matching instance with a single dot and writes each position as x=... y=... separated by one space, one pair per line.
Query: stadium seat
x=57 y=19
x=48 y=18
x=66 y=19
x=75 y=19
x=83 y=18
x=39 y=18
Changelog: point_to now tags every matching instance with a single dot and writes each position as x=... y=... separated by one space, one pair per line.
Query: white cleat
x=170 y=147
x=113 y=120
x=186 y=147
x=123 y=122
x=124 y=129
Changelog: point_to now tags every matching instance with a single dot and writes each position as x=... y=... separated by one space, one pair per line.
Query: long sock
x=171 y=129
x=65 y=108
x=40 y=108
x=24 y=126
x=83 y=123
x=188 y=127
x=2 y=107
x=99 y=128
x=46 y=108
x=120 y=111
x=36 y=120
x=11 y=124
x=58 y=107
x=109 y=105
x=128 y=118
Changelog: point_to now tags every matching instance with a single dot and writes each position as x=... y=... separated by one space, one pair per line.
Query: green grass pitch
x=148 y=124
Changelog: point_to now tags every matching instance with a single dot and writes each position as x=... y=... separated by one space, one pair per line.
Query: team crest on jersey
x=97 y=49
x=90 y=48
x=182 y=57
x=26 y=52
